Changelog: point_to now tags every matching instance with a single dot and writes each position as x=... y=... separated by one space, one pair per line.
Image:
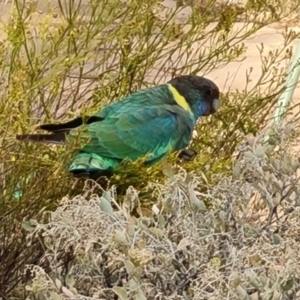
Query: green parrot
x=154 y=121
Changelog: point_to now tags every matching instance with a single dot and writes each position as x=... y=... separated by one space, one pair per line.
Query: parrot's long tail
x=84 y=164
x=54 y=138
x=58 y=131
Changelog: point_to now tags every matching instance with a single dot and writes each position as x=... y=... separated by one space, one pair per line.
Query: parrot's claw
x=187 y=154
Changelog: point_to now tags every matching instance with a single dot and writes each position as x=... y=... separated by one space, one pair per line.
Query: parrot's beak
x=216 y=104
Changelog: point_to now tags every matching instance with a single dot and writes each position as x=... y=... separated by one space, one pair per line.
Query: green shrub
x=76 y=57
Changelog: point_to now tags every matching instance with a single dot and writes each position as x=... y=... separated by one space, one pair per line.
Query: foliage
x=80 y=56
x=181 y=249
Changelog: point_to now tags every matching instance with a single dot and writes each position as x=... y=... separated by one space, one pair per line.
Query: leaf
x=236 y=170
x=130 y=227
x=48 y=242
x=235 y=278
x=141 y=244
x=195 y=201
x=69 y=280
x=269 y=149
x=168 y=170
x=120 y=237
x=200 y=205
x=259 y=151
x=133 y=284
x=155 y=209
x=161 y=222
x=276 y=239
x=276 y=295
x=67 y=292
x=215 y=262
x=140 y=295
x=250 y=140
x=288 y=284
x=138 y=272
x=145 y=212
x=120 y=292
x=203 y=176
x=249 y=155
x=29 y=225
x=129 y=266
x=169 y=208
x=73 y=290
x=55 y=296
x=107 y=196
x=106 y=206
x=58 y=283
x=294 y=164
x=255 y=260
x=183 y=244
x=241 y=293
x=157 y=232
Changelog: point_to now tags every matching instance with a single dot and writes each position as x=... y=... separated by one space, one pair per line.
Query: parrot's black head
x=200 y=93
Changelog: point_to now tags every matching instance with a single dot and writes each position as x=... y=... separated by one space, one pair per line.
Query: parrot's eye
x=208 y=92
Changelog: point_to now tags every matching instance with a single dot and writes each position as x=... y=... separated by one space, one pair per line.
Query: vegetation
x=147 y=240
x=182 y=249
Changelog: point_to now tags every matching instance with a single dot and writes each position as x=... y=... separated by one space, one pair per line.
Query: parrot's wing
x=145 y=130
x=152 y=96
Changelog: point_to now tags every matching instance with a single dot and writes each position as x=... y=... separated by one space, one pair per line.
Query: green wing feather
x=140 y=124
x=141 y=131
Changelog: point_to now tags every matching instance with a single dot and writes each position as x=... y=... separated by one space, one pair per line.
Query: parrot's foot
x=187 y=154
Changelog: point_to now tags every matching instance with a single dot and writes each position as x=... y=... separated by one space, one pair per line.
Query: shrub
x=182 y=249
x=79 y=57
